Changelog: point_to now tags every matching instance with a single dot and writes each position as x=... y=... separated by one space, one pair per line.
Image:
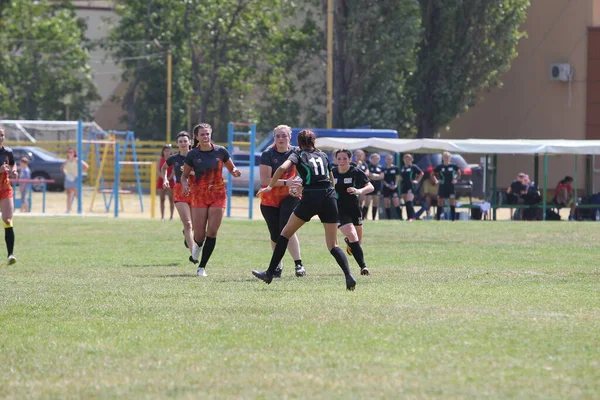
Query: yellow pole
x=329 y=64
x=152 y=189
x=169 y=84
x=100 y=172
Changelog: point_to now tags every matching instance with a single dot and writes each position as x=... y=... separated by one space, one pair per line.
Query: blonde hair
x=375 y=155
x=284 y=128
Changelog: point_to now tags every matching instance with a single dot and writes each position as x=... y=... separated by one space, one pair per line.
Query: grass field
x=105 y=308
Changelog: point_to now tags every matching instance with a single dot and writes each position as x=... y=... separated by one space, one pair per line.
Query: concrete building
x=531 y=105
x=99 y=14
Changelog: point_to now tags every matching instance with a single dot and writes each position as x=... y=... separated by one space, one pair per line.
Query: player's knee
x=187 y=225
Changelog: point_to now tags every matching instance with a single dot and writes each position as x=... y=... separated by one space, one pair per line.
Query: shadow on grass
x=177 y=276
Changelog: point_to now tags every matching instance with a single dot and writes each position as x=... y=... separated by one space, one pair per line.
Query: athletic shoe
x=300 y=271
x=11 y=260
x=263 y=276
x=195 y=252
x=365 y=271
x=185 y=241
x=348 y=248
x=202 y=272
x=350 y=282
x=278 y=270
x=192 y=260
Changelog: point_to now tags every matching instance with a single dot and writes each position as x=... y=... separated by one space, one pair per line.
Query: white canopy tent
x=466 y=146
x=474 y=146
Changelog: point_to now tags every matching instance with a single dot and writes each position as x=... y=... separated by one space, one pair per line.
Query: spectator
x=564 y=196
x=70 y=169
x=429 y=196
x=515 y=192
x=24 y=187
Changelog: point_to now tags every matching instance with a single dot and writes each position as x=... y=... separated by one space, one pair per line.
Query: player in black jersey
x=277 y=205
x=375 y=175
x=411 y=176
x=447 y=174
x=318 y=198
x=182 y=203
x=361 y=163
x=391 y=176
x=350 y=182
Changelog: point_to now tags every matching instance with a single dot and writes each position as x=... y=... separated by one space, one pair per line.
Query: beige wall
x=530 y=105
x=107 y=75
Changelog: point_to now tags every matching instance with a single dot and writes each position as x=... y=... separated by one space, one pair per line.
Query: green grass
x=101 y=308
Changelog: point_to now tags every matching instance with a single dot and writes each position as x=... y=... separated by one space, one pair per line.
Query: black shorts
x=512 y=198
x=350 y=215
x=446 y=191
x=318 y=202
x=277 y=217
x=389 y=193
x=405 y=188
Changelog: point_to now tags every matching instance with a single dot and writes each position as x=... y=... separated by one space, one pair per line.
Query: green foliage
x=466 y=46
x=218 y=47
x=373 y=57
x=43 y=58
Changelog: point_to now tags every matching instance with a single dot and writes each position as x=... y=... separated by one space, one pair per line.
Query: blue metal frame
x=251 y=135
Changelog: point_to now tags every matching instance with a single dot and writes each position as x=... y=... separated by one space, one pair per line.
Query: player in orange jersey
x=7 y=205
x=207 y=188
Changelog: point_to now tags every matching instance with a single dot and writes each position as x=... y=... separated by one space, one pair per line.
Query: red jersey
x=274 y=159
x=6 y=157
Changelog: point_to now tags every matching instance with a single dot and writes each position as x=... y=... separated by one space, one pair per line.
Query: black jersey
x=363 y=166
x=313 y=167
x=273 y=158
x=354 y=177
x=390 y=173
x=410 y=173
x=517 y=188
x=376 y=169
x=176 y=161
x=447 y=173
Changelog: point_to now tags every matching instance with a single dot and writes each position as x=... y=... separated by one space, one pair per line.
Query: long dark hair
x=306 y=139
x=196 y=129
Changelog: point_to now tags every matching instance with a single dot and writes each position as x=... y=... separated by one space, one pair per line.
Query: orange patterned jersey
x=208 y=168
x=272 y=158
x=6 y=157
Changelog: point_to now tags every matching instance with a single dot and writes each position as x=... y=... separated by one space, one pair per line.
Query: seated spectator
x=564 y=195
x=515 y=192
x=429 y=196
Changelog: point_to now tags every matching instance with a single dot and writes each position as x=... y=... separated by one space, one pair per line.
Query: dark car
x=43 y=165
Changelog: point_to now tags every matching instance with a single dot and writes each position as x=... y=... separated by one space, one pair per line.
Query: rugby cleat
x=278 y=270
x=266 y=276
x=195 y=252
x=300 y=271
x=365 y=271
x=350 y=282
x=202 y=272
x=11 y=260
x=192 y=260
x=348 y=248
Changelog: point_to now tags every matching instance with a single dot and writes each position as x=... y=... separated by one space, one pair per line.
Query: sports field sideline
x=106 y=308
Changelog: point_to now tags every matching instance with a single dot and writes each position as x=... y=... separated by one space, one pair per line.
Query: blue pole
x=252 y=163
x=230 y=178
x=79 y=167
x=136 y=168
x=116 y=180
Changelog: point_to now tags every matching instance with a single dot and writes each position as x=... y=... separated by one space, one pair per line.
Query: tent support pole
x=544 y=192
x=575 y=187
x=536 y=169
x=494 y=186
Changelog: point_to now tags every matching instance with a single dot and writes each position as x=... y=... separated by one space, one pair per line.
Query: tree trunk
x=425 y=129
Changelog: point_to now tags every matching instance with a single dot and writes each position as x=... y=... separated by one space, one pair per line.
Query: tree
x=466 y=46
x=43 y=58
x=373 y=57
x=221 y=49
